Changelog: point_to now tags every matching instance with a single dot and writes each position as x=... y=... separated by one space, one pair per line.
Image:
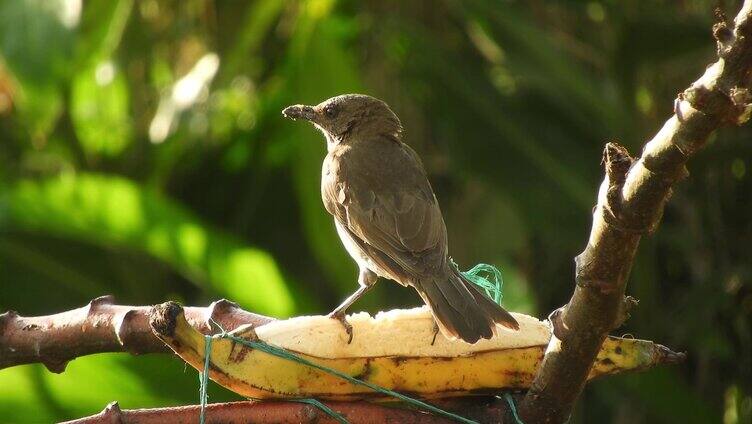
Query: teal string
x=204 y=377
x=492 y=283
x=486 y=276
x=327 y=410
x=513 y=408
x=281 y=353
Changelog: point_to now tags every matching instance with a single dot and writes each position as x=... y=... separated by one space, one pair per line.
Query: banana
x=392 y=350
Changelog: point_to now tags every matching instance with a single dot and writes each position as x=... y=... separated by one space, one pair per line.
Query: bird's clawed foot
x=435 y=332
x=340 y=316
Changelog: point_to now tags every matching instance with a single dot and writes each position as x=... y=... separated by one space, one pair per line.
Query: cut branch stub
x=162 y=318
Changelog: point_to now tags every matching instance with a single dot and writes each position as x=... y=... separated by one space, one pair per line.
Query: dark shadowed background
x=143 y=154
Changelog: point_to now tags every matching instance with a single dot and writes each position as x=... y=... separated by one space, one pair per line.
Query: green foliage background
x=142 y=153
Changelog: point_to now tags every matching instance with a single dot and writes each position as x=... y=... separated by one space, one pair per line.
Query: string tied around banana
x=491 y=282
x=308 y=357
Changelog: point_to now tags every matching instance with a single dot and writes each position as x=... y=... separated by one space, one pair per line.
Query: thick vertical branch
x=630 y=204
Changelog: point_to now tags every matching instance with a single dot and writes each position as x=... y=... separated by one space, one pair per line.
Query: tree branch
x=630 y=203
x=102 y=326
x=98 y=327
x=274 y=412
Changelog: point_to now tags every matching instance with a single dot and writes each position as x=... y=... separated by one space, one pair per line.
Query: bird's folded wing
x=402 y=221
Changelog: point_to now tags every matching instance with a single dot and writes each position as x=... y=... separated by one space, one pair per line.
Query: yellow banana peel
x=393 y=350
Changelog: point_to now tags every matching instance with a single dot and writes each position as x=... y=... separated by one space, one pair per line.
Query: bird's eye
x=330 y=111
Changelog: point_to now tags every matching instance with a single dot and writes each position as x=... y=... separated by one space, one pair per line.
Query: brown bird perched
x=387 y=215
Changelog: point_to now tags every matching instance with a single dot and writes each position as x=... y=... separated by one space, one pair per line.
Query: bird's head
x=348 y=116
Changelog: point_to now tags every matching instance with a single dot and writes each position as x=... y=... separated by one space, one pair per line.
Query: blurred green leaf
x=318 y=55
x=18 y=398
x=102 y=25
x=100 y=109
x=36 y=44
x=114 y=211
x=258 y=20
x=30 y=393
x=508 y=104
x=684 y=404
x=539 y=60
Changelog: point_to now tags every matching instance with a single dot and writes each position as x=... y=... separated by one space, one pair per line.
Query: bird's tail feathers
x=461 y=309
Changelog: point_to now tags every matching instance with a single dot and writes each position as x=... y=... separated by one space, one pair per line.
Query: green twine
x=327 y=410
x=513 y=408
x=487 y=277
x=492 y=283
x=281 y=353
x=204 y=377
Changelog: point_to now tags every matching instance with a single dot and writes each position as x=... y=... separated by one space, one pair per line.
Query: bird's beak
x=299 y=112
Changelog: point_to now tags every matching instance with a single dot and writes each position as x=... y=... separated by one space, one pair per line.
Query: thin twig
x=630 y=204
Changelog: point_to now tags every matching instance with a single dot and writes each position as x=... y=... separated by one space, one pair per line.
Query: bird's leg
x=435 y=332
x=341 y=310
x=366 y=279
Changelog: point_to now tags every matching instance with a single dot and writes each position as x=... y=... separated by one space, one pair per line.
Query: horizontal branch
x=99 y=327
x=102 y=326
x=284 y=412
x=630 y=204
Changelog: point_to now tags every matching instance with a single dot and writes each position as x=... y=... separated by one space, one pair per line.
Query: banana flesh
x=394 y=352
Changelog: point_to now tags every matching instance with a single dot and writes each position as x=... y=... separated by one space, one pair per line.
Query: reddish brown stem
x=275 y=412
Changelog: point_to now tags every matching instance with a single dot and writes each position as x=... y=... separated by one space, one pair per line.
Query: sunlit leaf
x=100 y=109
x=321 y=55
x=30 y=393
x=102 y=25
x=257 y=22
x=19 y=400
x=36 y=44
x=114 y=211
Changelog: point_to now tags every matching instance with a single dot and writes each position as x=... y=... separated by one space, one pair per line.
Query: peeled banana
x=393 y=350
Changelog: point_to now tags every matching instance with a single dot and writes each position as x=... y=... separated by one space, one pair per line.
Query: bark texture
x=630 y=204
x=101 y=326
x=275 y=412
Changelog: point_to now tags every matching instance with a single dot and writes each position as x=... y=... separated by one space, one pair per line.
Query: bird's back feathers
x=380 y=197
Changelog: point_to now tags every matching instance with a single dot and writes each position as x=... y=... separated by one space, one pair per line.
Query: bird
x=388 y=217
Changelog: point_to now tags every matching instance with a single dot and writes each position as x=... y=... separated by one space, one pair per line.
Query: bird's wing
x=386 y=202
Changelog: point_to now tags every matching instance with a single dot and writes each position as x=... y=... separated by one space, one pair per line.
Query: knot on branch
x=122 y=323
x=558 y=328
x=625 y=308
x=732 y=106
x=96 y=303
x=721 y=93
x=741 y=98
x=110 y=414
x=617 y=162
x=723 y=33
x=215 y=310
x=5 y=318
